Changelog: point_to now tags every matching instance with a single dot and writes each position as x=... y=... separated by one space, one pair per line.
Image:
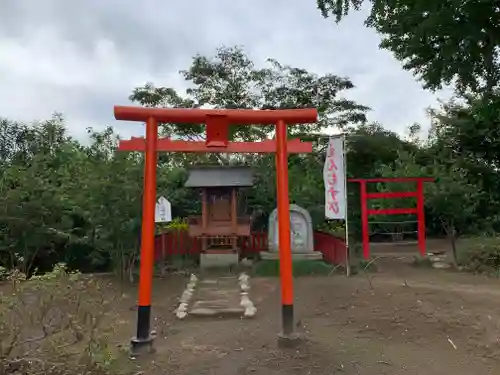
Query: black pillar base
x=143 y=342
x=287 y=319
x=288 y=338
x=289 y=341
x=141 y=346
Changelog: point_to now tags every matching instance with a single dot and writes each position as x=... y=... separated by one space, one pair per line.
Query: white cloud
x=81 y=58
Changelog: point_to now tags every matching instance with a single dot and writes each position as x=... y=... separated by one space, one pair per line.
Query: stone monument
x=301 y=233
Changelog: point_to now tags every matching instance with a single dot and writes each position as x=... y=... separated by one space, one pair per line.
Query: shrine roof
x=219 y=176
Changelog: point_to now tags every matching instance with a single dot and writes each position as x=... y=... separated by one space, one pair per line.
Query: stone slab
x=216 y=304
x=437 y=258
x=208 y=282
x=441 y=265
x=217 y=297
x=218 y=260
x=217 y=312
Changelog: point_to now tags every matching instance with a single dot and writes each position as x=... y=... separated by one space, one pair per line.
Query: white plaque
x=163 y=211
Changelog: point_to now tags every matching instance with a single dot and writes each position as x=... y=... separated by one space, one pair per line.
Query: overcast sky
x=82 y=57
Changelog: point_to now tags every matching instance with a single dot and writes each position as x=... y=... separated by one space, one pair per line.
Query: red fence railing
x=180 y=243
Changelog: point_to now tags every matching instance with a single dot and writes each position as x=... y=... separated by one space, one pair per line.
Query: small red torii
x=418 y=210
x=217 y=140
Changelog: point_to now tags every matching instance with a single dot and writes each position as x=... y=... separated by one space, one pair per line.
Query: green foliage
x=337 y=8
x=451 y=200
x=336 y=227
x=229 y=79
x=178 y=224
x=62 y=201
x=4 y=273
x=465 y=136
x=484 y=258
x=442 y=42
x=471 y=128
x=63 y=195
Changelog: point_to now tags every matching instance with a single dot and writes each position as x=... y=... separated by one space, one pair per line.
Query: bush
x=52 y=324
x=485 y=258
x=4 y=273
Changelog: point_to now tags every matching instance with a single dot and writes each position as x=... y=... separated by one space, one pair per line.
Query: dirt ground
x=401 y=320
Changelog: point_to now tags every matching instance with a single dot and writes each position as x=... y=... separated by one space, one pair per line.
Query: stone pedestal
x=217 y=298
x=218 y=260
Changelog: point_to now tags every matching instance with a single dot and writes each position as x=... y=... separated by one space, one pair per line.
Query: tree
x=80 y=204
x=33 y=215
x=471 y=129
x=467 y=134
x=452 y=200
x=230 y=80
x=442 y=42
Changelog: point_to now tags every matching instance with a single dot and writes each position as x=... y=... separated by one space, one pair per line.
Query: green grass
x=266 y=268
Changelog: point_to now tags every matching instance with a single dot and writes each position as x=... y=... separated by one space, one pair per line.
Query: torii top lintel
x=235 y=116
x=217 y=123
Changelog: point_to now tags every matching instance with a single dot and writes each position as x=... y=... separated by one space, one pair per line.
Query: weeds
x=52 y=324
x=485 y=258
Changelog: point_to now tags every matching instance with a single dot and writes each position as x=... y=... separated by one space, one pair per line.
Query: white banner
x=335 y=180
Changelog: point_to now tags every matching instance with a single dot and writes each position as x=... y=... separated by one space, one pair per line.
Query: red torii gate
x=418 y=210
x=217 y=140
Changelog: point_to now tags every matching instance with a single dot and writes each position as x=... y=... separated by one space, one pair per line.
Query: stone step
x=216 y=311
x=217 y=297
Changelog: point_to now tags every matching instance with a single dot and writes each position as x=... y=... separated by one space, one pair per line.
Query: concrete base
x=218 y=260
x=289 y=341
x=315 y=255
